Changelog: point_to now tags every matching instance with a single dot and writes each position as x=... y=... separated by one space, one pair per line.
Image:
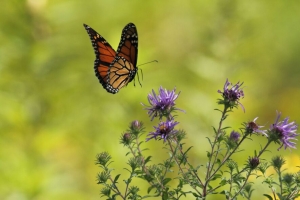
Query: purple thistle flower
x=163 y=131
x=233 y=139
x=284 y=132
x=253 y=127
x=162 y=104
x=232 y=95
x=234 y=136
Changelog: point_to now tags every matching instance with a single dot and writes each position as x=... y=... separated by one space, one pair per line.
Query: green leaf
x=209 y=141
x=268 y=196
x=128 y=181
x=150 y=188
x=208 y=154
x=165 y=196
x=218 y=162
x=114 y=196
x=196 y=195
x=165 y=181
x=223 y=182
x=147 y=159
x=188 y=150
x=116 y=178
x=216 y=176
x=224 y=192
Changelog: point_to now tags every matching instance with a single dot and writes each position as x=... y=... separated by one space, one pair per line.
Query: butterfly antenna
x=142 y=72
x=147 y=63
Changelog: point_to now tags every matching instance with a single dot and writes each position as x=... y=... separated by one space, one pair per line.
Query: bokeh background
x=55 y=117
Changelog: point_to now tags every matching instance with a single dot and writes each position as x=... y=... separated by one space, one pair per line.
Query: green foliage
x=222 y=175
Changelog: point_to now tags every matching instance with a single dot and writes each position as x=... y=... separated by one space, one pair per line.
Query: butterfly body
x=115 y=69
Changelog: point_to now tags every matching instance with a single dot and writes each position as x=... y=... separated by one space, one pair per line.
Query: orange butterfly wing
x=115 y=69
x=128 y=47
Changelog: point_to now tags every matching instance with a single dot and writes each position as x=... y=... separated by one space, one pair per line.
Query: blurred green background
x=55 y=116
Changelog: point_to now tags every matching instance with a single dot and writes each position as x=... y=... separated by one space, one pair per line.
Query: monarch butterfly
x=115 y=69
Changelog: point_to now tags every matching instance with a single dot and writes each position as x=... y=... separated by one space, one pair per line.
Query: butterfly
x=115 y=69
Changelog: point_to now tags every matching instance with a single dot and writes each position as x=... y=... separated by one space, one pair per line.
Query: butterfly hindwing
x=115 y=69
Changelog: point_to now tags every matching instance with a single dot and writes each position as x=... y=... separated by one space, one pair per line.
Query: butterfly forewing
x=105 y=54
x=115 y=69
x=128 y=47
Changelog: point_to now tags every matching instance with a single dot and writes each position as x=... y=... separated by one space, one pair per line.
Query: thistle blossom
x=234 y=136
x=233 y=139
x=164 y=130
x=162 y=104
x=253 y=127
x=232 y=95
x=284 y=132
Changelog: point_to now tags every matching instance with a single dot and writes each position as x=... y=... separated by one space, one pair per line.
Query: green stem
x=195 y=174
x=181 y=170
x=210 y=164
x=280 y=180
x=228 y=156
x=115 y=188
x=238 y=192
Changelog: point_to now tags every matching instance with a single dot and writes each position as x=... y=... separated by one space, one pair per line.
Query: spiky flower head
x=253 y=127
x=253 y=162
x=164 y=130
x=126 y=139
x=232 y=94
x=136 y=127
x=233 y=139
x=283 y=132
x=103 y=158
x=234 y=136
x=163 y=104
x=277 y=162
